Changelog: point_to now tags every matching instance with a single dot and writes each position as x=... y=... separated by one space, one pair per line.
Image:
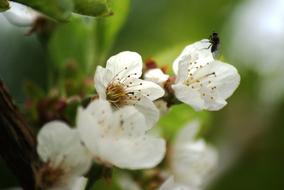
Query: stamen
x=191 y=80
x=116 y=94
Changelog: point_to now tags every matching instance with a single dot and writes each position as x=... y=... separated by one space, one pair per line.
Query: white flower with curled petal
x=119 y=83
x=119 y=138
x=203 y=82
x=64 y=157
x=156 y=75
x=20 y=15
x=192 y=161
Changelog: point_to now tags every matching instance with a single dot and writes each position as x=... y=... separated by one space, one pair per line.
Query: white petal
x=125 y=63
x=198 y=52
x=61 y=146
x=128 y=122
x=156 y=75
x=149 y=110
x=133 y=153
x=227 y=80
x=101 y=110
x=148 y=89
x=188 y=133
x=101 y=79
x=189 y=96
x=80 y=183
x=170 y=184
x=121 y=141
x=182 y=73
x=209 y=87
x=20 y=15
x=193 y=162
x=212 y=101
x=126 y=137
x=89 y=130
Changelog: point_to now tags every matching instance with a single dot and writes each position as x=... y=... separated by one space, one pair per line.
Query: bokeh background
x=249 y=131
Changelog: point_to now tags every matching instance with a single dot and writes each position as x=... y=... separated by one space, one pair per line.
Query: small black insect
x=215 y=42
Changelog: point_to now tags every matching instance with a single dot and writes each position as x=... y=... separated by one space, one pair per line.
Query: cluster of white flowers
x=113 y=138
x=113 y=130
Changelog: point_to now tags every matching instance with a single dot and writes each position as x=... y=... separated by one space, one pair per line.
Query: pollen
x=116 y=94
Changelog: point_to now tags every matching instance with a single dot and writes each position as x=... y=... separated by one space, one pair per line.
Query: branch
x=17 y=142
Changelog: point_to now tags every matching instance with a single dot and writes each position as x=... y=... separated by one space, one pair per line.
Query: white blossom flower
x=156 y=75
x=64 y=157
x=119 y=138
x=20 y=15
x=203 y=82
x=192 y=161
x=119 y=83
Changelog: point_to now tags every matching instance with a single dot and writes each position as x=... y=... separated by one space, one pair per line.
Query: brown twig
x=17 y=142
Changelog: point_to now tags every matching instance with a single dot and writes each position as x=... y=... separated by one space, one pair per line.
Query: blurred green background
x=249 y=131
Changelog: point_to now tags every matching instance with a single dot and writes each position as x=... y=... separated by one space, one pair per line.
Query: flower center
x=116 y=94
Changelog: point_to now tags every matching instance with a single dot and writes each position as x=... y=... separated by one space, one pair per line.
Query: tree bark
x=17 y=142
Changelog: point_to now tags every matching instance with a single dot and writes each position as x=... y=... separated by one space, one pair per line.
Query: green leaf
x=4 y=5
x=71 y=53
x=107 y=28
x=72 y=42
x=178 y=117
x=92 y=7
x=60 y=10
